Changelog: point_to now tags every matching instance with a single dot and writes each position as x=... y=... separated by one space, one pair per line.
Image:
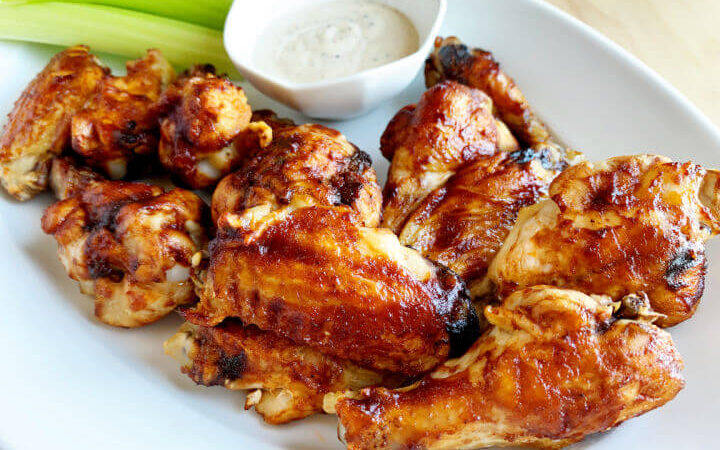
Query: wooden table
x=680 y=39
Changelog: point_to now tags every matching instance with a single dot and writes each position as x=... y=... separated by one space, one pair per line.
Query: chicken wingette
x=129 y=245
x=555 y=366
x=427 y=143
x=118 y=127
x=615 y=227
x=285 y=381
x=38 y=127
x=315 y=275
x=453 y=60
x=463 y=223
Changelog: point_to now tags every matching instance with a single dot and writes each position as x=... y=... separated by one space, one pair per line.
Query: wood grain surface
x=680 y=39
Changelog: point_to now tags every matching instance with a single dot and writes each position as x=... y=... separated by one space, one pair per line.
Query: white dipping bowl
x=338 y=98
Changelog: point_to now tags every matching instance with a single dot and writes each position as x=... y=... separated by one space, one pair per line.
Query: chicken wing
x=287 y=381
x=201 y=116
x=426 y=143
x=315 y=275
x=127 y=244
x=452 y=60
x=311 y=161
x=464 y=223
x=555 y=366
x=38 y=127
x=624 y=225
x=119 y=123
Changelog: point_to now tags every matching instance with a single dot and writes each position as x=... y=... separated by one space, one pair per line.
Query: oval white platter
x=67 y=381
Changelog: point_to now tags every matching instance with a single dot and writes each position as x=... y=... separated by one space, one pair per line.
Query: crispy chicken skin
x=426 y=143
x=315 y=275
x=555 y=366
x=119 y=122
x=453 y=60
x=623 y=225
x=465 y=222
x=309 y=161
x=287 y=381
x=68 y=178
x=38 y=127
x=201 y=116
x=127 y=244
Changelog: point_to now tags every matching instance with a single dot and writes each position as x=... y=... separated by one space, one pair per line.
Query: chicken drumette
x=119 y=123
x=202 y=114
x=615 y=227
x=39 y=125
x=127 y=244
x=555 y=366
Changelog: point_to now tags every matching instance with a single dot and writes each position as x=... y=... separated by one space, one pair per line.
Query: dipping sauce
x=334 y=39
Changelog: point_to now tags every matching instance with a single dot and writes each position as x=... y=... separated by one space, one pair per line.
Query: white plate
x=67 y=381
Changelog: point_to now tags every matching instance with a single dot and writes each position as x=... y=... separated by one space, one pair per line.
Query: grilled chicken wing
x=555 y=367
x=624 y=225
x=465 y=222
x=201 y=116
x=452 y=60
x=127 y=244
x=309 y=161
x=315 y=275
x=119 y=122
x=39 y=125
x=426 y=143
x=287 y=381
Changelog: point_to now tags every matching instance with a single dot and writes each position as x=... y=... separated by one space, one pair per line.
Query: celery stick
x=114 y=30
x=209 y=13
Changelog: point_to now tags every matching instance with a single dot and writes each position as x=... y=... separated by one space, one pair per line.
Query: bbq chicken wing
x=286 y=381
x=555 y=366
x=426 y=143
x=201 y=116
x=315 y=275
x=309 y=161
x=453 y=60
x=38 y=127
x=119 y=123
x=127 y=244
x=463 y=223
x=624 y=225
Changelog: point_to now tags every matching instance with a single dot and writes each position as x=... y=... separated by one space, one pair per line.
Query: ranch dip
x=334 y=39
